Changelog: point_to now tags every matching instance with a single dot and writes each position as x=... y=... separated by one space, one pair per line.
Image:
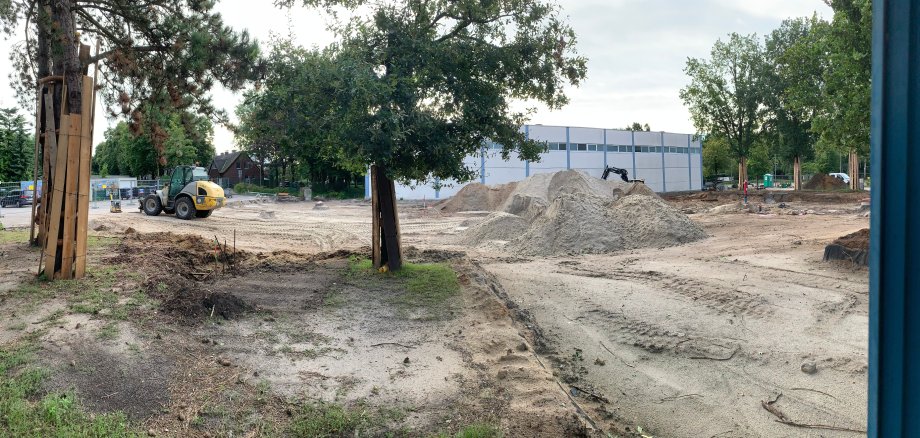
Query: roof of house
x=223 y=161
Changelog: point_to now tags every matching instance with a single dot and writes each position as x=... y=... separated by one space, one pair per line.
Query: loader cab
x=181 y=176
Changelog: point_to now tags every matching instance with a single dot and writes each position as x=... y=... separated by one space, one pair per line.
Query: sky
x=636 y=52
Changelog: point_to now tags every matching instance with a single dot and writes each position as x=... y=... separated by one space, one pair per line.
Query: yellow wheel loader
x=188 y=194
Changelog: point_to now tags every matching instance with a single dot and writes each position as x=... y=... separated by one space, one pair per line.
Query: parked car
x=17 y=198
x=844 y=177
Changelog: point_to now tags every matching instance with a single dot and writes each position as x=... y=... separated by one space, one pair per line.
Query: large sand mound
x=571 y=212
x=542 y=186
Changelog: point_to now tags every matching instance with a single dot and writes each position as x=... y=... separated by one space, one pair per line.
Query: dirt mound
x=200 y=304
x=823 y=181
x=853 y=247
x=577 y=224
x=498 y=226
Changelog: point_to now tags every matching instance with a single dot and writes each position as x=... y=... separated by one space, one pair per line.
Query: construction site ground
x=745 y=333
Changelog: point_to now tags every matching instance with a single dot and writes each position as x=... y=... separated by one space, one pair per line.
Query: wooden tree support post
x=386 y=247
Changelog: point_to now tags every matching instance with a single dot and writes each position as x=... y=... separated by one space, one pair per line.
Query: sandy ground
x=685 y=341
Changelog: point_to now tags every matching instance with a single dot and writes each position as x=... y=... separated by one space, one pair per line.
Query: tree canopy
x=17 y=146
x=416 y=86
x=726 y=91
x=158 y=57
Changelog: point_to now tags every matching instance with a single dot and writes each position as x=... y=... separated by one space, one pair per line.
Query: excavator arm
x=624 y=174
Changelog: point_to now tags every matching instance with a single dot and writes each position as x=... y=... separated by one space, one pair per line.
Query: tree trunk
x=742 y=171
x=797 y=173
x=854 y=170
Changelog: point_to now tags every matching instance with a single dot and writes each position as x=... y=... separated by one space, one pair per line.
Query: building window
x=237 y=164
x=555 y=146
x=580 y=147
x=592 y=147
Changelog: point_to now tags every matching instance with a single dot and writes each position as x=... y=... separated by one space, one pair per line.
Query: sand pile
x=823 y=181
x=571 y=212
x=497 y=226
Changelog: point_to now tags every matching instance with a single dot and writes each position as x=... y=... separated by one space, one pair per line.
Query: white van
x=842 y=176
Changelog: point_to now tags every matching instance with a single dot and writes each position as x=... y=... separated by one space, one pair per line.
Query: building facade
x=668 y=162
x=231 y=168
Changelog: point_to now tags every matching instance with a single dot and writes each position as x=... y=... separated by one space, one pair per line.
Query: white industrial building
x=668 y=162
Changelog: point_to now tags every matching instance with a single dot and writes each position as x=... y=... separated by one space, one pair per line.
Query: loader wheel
x=185 y=210
x=152 y=205
x=201 y=214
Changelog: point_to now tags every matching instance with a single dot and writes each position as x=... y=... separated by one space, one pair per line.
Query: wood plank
x=376 y=255
x=35 y=157
x=70 y=198
x=86 y=149
x=56 y=188
x=391 y=252
x=50 y=137
x=396 y=222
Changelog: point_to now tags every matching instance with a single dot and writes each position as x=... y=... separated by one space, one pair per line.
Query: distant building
x=230 y=168
x=668 y=162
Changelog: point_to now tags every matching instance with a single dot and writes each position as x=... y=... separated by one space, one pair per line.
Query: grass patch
x=426 y=287
x=52 y=415
x=331 y=420
x=479 y=430
x=14 y=236
x=109 y=331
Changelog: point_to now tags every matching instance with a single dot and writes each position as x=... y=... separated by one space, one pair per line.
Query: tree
x=716 y=157
x=418 y=85
x=725 y=94
x=793 y=80
x=636 y=126
x=16 y=147
x=843 y=122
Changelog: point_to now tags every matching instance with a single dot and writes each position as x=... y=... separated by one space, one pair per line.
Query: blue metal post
x=605 y=148
x=894 y=266
x=633 y=141
x=689 y=166
x=527 y=162
x=367 y=185
x=664 y=177
x=568 y=149
x=437 y=191
x=482 y=165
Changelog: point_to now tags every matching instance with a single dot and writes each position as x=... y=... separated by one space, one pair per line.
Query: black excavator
x=624 y=175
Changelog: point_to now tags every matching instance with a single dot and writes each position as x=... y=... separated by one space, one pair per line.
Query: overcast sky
x=636 y=52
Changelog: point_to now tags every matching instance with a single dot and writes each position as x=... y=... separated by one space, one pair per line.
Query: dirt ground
x=711 y=338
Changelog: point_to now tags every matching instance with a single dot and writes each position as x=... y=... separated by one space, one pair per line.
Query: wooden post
x=35 y=158
x=50 y=155
x=70 y=198
x=56 y=188
x=376 y=253
x=86 y=148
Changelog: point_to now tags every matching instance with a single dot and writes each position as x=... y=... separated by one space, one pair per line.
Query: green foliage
x=417 y=86
x=14 y=236
x=725 y=92
x=17 y=147
x=843 y=121
x=636 y=126
x=793 y=78
x=717 y=157
x=166 y=55
x=252 y=188
x=124 y=152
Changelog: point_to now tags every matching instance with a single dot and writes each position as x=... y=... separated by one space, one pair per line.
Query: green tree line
x=797 y=99
x=151 y=148
x=17 y=147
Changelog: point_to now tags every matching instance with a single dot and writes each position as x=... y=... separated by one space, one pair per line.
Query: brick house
x=230 y=168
